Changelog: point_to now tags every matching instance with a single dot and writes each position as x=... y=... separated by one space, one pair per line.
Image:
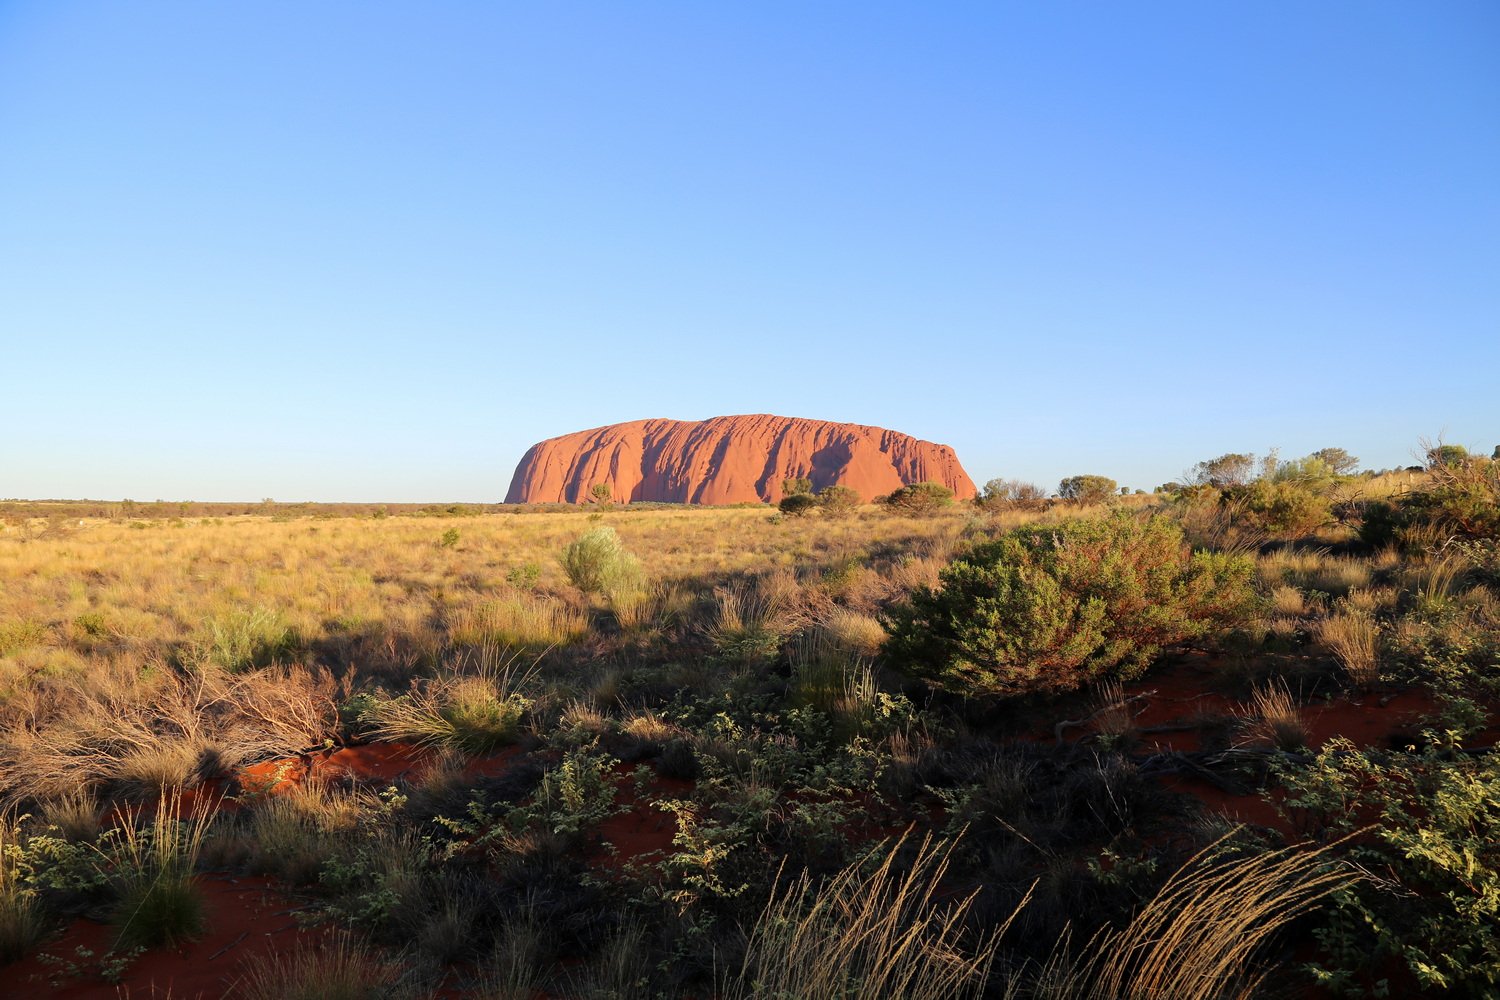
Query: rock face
x=729 y=460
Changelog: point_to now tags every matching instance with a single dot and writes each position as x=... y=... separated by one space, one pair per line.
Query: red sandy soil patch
x=247 y=919
x=369 y=762
x=381 y=762
x=1252 y=809
x=641 y=833
x=1176 y=699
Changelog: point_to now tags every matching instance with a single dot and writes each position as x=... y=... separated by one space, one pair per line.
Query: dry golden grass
x=1199 y=936
x=165 y=586
x=132 y=657
x=1288 y=601
x=345 y=969
x=867 y=932
x=1353 y=638
x=1274 y=718
x=1313 y=570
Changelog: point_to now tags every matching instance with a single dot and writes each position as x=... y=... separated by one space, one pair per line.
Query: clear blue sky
x=373 y=251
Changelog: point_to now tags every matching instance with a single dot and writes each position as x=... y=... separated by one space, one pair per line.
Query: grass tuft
x=347 y=969
x=874 y=929
x=158 y=902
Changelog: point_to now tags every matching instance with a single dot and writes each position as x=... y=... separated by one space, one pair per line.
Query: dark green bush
x=797 y=504
x=1429 y=825
x=1052 y=608
x=920 y=498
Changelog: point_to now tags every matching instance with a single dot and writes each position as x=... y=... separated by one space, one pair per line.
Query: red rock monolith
x=725 y=460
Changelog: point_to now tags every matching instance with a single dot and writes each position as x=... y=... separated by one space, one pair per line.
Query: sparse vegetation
x=507 y=767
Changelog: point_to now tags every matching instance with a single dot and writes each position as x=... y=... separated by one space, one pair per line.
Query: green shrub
x=597 y=562
x=449 y=539
x=525 y=576
x=920 y=498
x=796 y=486
x=21 y=922
x=1458 y=502
x=1436 y=845
x=1087 y=490
x=837 y=501
x=1284 y=507
x=797 y=504
x=1052 y=608
x=1233 y=469
x=1447 y=456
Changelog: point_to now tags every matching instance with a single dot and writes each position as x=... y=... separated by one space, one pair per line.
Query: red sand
x=247 y=917
x=641 y=833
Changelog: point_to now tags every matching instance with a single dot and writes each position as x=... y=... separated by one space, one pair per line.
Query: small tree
x=1233 y=469
x=838 y=501
x=920 y=498
x=796 y=486
x=1012 y=493
x=1339 y=461
x=1086 y=490
x=601 y=494
x=1446 y=456
x=798 y=504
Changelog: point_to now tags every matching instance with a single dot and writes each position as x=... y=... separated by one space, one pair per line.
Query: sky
x=373 y=251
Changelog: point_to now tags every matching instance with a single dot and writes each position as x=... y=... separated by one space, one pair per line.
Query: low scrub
x=1459 y=501
x=920 y=498
x=1053 y=608
x=21 y=920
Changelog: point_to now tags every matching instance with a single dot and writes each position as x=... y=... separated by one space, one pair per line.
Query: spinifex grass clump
x=597 y=562
x=1052 y=608
x=1353 y=637
x=153 y=863
x=521 y=620
x=865 y=932
x=246 y=638
x=345 y=969
x=1198 y=937
x=751 y=621
x=1275 y=719
x=474 y=713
